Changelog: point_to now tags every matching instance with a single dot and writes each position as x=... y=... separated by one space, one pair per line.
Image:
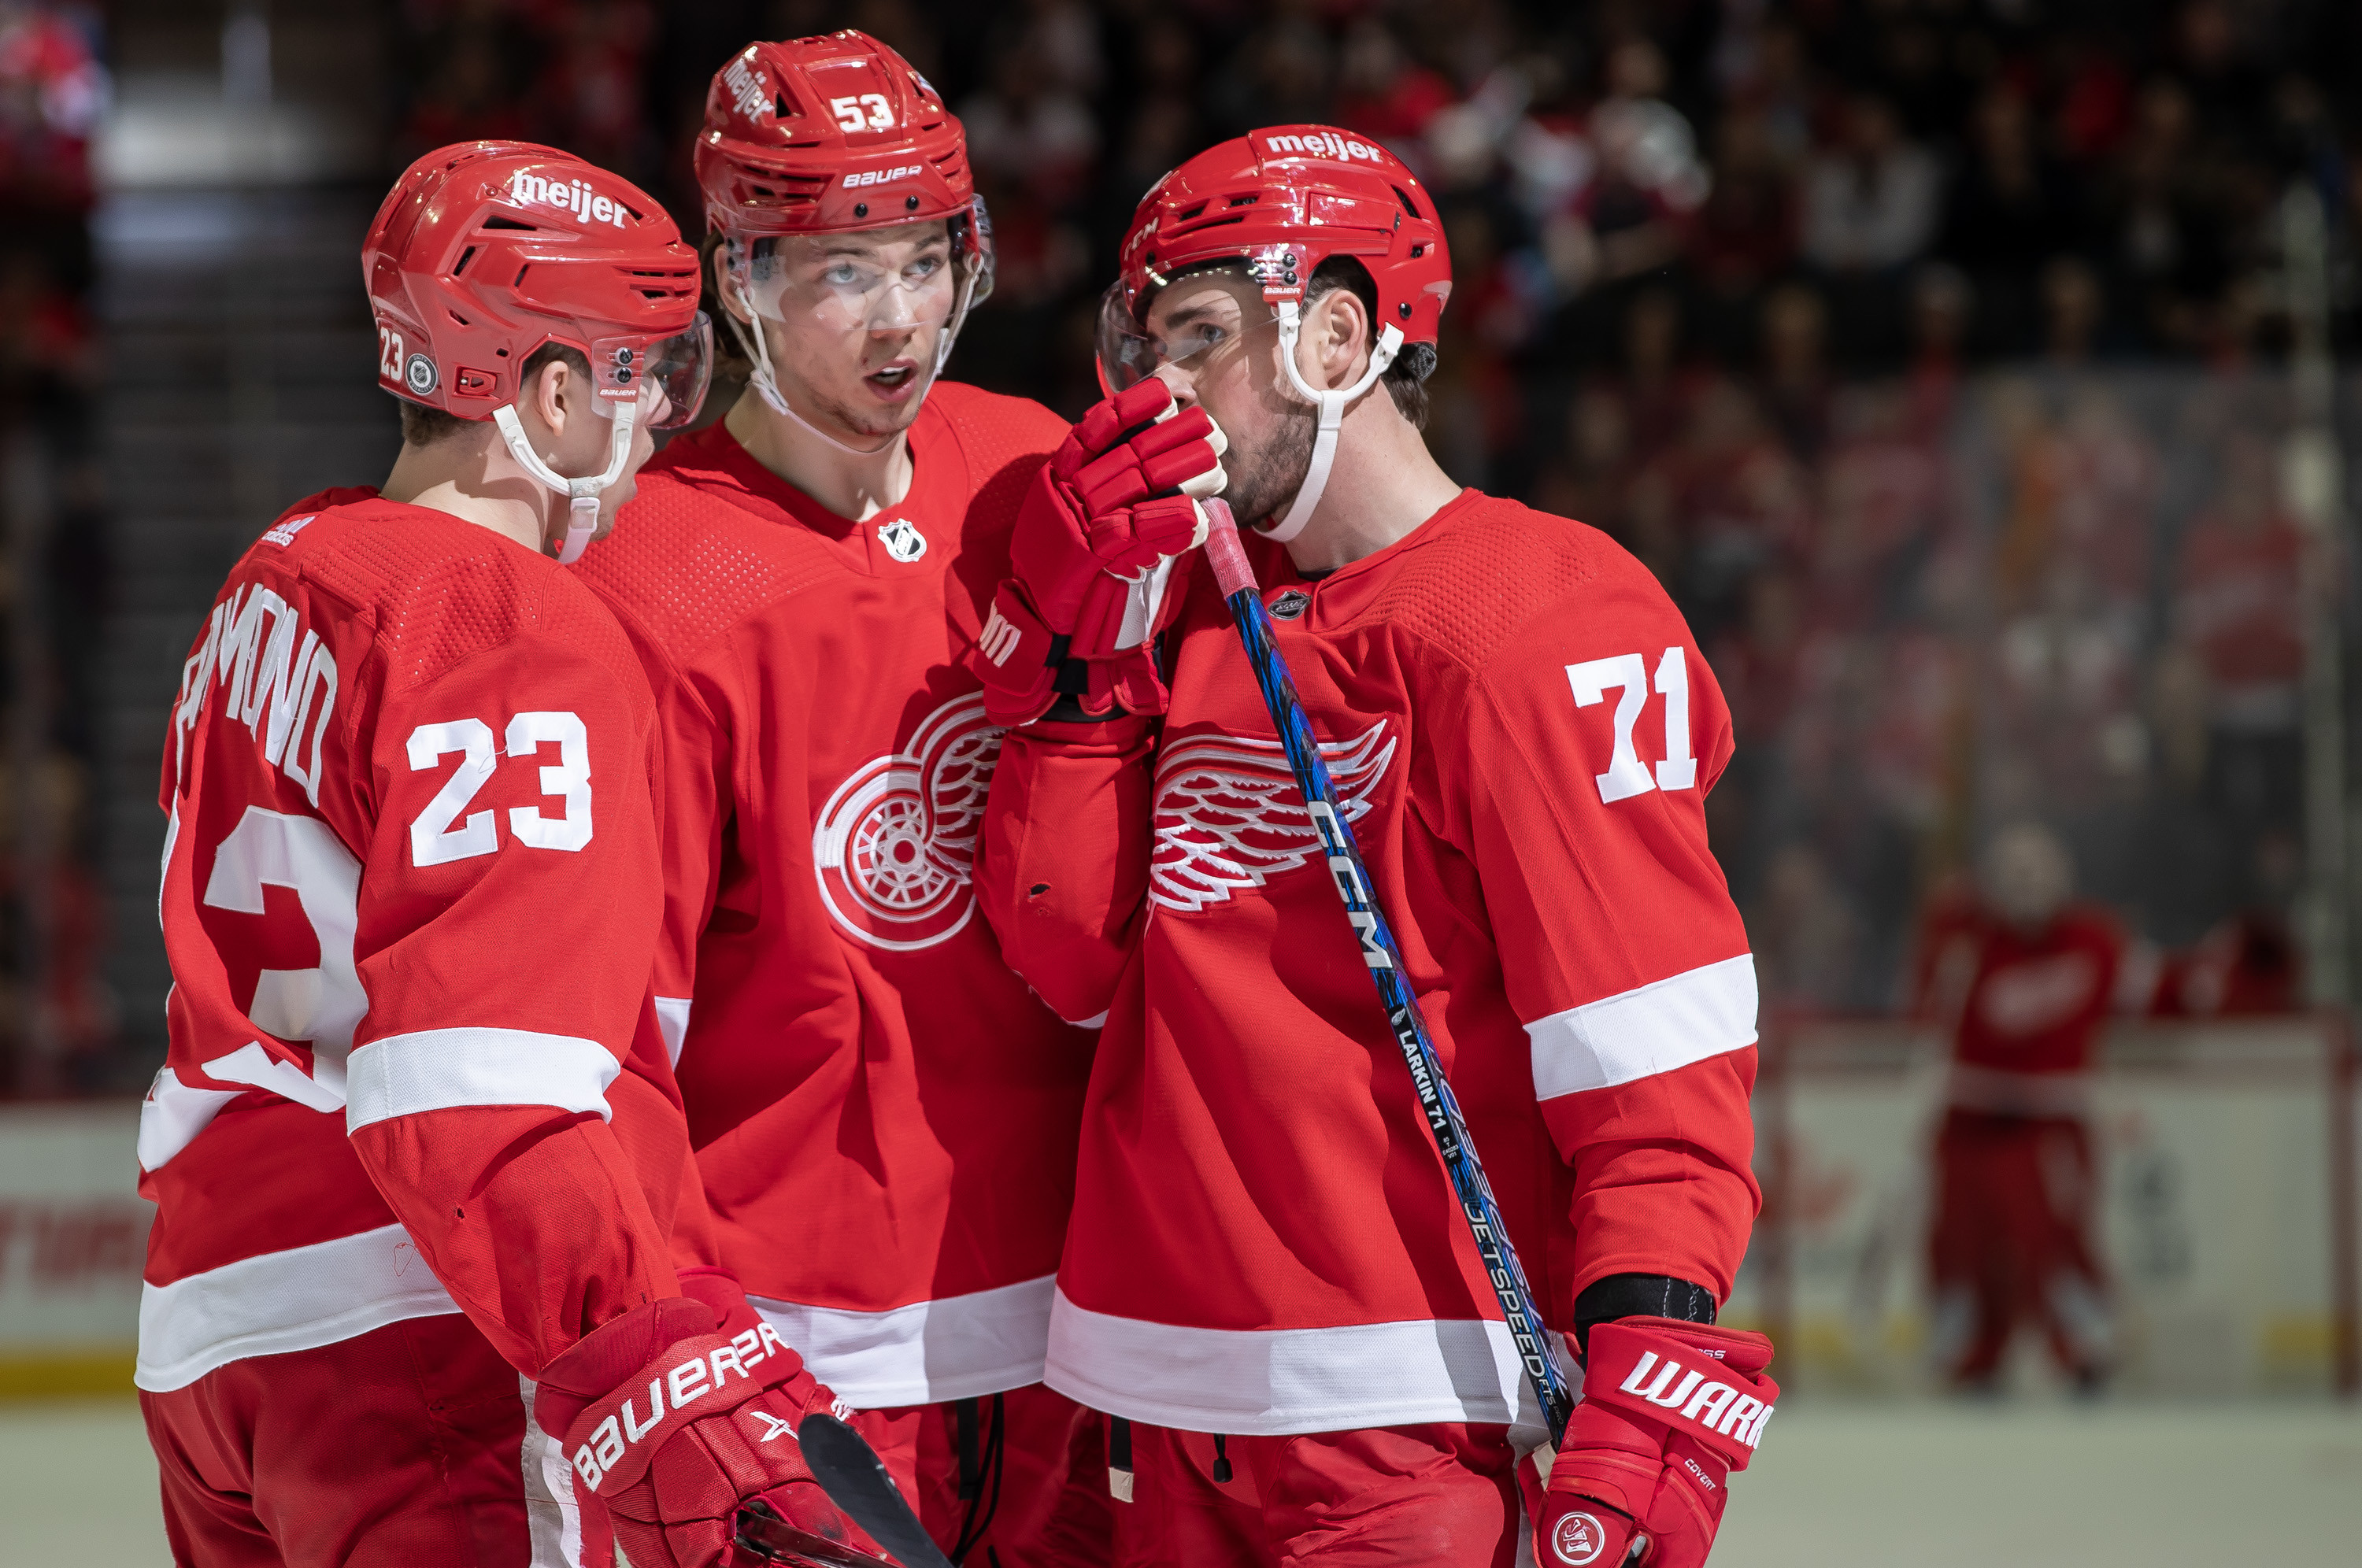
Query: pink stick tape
x=1223 y=549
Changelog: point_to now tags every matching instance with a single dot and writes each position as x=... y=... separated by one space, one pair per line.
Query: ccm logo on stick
x=691 y=1381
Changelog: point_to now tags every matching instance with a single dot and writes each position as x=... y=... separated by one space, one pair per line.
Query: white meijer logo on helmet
x=574 y=196
x=1324 y=144
x=746 y=88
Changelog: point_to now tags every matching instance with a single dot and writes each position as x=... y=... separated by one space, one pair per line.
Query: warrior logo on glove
x=1578 y=1540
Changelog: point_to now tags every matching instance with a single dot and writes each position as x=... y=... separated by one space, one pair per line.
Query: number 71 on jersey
x=1627 y=775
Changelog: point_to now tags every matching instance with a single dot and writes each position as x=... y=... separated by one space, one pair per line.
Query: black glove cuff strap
x=1639 y=1296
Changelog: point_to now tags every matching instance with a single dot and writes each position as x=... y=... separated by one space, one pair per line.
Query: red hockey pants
x=2013 y=1243
x=1034 y=1496
x=1443 y=1495
x=405 y=1447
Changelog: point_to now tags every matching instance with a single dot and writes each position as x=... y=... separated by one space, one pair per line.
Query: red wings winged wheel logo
x=1229 y=816
x=895 y=847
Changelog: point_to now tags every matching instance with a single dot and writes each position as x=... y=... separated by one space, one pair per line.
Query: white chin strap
x=1333 y=406
x=583 y=494
x=766 y=385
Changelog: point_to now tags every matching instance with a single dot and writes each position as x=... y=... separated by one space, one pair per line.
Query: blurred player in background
x=417 y=1146
x=2025 y=979
x=885 y=1116
x=1267 y=1274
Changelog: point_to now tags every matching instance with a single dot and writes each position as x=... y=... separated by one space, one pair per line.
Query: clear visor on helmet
x=1180 y=325
x=869 y=280
x=667 y=376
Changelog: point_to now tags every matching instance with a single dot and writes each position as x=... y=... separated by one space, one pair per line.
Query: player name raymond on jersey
x=279 y=679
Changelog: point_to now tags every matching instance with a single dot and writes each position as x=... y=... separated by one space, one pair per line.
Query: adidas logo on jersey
x=284 y=532
x=882 y=176
x=574 y=196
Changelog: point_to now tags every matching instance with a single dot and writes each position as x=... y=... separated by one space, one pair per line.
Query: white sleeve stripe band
x=672 y=1022
x=1655 y=1028
x=441 y=1069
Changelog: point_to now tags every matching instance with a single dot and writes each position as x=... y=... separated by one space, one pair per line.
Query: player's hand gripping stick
x=1669 y=1411
x=1444 y=1122
x=678 y=1428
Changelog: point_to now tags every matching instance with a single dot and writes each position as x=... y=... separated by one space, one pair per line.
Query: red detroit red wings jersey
x=409 y=903
x=884 y=1115
x=2027 y=1008
x=1264 y=1239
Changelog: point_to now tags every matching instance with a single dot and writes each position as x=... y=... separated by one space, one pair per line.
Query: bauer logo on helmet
x=883 y=176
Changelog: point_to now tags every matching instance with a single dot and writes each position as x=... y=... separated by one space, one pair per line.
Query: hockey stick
x=1352 y=876
x=855 y=1480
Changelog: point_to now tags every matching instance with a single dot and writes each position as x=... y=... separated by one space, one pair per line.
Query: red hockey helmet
x=1281 y=201
x=831 y=134
x=1278 y=202
x=486 y=251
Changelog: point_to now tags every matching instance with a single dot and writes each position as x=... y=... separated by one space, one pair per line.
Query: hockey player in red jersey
x=2025 y=979
x=416 y=1153
x=885 y=1116
x=1268 y=1272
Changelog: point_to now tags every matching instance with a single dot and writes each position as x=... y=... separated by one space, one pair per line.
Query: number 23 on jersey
x=434 y=840
x=1627 y=775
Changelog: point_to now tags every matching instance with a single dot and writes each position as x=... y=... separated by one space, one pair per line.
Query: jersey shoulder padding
x=1493 y=568
x=689 y=559
x=439 y=589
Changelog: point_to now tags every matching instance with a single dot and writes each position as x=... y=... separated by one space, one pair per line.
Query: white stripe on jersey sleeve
x=1652 y=1029
x=441 y=1069
x=299 y=1298
x=672 y=1022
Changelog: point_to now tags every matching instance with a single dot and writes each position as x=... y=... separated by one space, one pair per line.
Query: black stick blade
x=855 y=1478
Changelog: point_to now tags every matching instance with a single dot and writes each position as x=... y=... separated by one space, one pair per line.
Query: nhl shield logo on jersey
x=895 y=846
x=1290 y=604
x=902 y=540
x=1228 y=815
x=1578 y=1540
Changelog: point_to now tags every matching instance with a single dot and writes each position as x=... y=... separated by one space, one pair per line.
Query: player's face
x=853 y=322
x=1217 y=344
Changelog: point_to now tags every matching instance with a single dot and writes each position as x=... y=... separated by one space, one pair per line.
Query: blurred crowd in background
x=53 y=563
x=1930 y=351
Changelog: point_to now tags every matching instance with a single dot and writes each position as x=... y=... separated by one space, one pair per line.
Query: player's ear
x=725 y=285
x=547 y=394
x=1343 y=336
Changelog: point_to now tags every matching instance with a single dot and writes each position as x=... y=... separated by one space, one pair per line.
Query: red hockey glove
x=1090 y=558
x=677 y=1426
x=1669 y=1409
